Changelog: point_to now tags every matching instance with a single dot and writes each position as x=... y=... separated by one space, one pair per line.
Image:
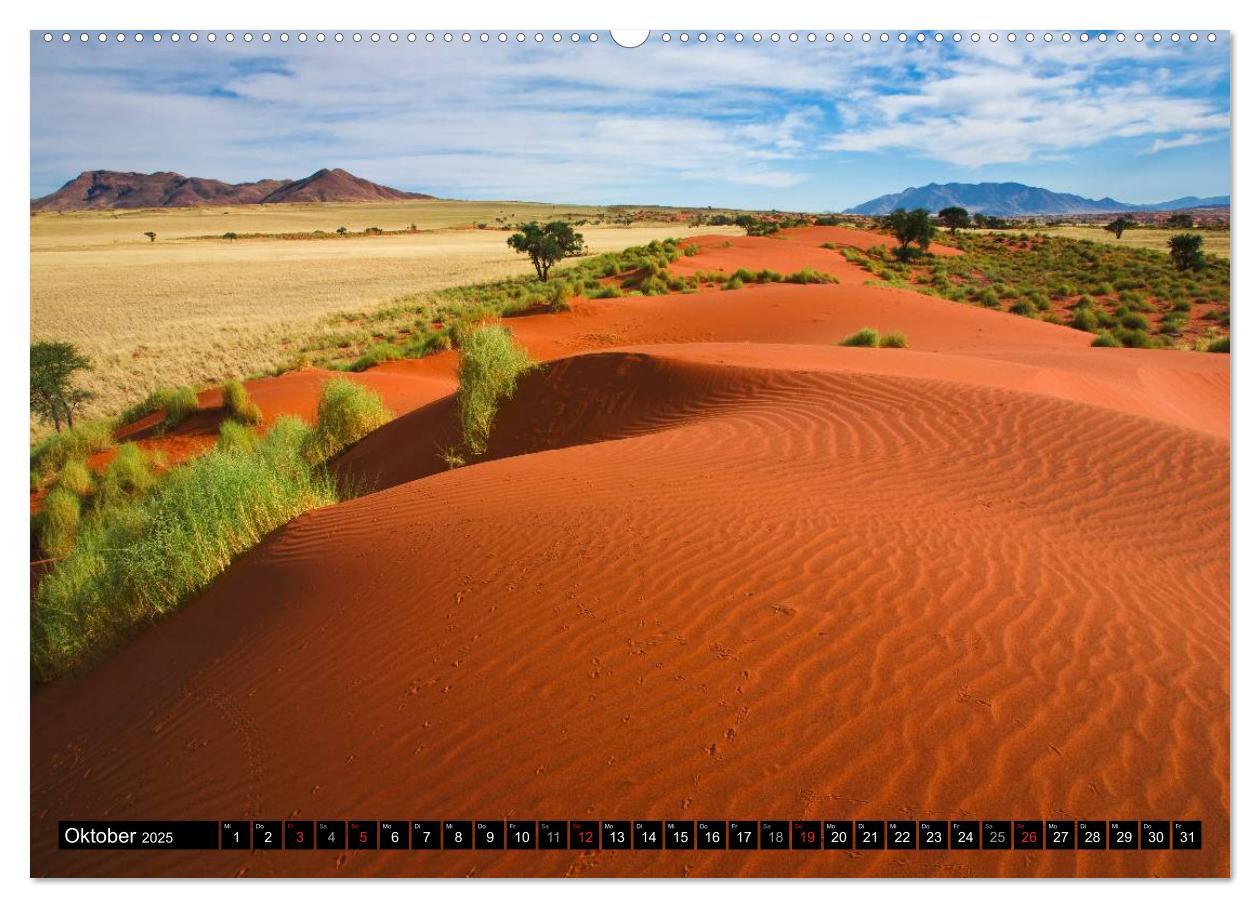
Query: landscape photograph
x=517 y=454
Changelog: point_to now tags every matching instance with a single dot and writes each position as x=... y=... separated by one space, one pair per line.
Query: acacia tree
x=54 y=397
x=1119 y=226
x=151 y=235
x=1186 y=251
x=546 y=244
x=953 y=217
x=911 y=227
x=1180 y=221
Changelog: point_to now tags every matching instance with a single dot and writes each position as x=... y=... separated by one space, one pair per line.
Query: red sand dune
x=719 y=568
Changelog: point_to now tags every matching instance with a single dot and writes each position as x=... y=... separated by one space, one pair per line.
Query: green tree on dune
x=54 y=397
x=1186 y=251
x=910 y=227
x=953 y=217
x=546 y=244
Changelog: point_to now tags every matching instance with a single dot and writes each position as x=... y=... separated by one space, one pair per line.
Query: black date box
x=680 y=835
x=584 y=834
x=522 y=835
x=773 y=835
x=553 y=835
x=995 y=834
x=1029 y=835
x=649 y=835
x=838 y=835
x=426 y=835
x=457 y=835
x=361 y=835
x=933 y=835
x=742 y=835
x=899 y=835
x=330 y=835
x=488 y=835
x=1091 y=835
x=234 y=835
x=267 y=835
x=964 y=835
x=1060 y=835
x=1155 y=834
x=614 y=835
x=1187 y=835
x=299 y=835
x=868 y=834
x=807 y=835
x=711 y=835
x=395 y=835
x=1122 y=835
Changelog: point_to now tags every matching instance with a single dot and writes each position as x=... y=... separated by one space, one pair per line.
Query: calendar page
x=555 y=452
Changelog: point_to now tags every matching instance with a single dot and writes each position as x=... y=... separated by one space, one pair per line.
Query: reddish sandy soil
x=713 y=566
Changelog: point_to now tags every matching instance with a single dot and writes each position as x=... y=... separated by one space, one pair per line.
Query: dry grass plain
x=187 y=309
x=1215 y=242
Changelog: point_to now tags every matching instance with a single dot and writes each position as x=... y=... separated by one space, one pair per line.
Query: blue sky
x=790 y=126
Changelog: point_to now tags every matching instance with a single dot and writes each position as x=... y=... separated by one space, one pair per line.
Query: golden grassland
x=190 y=310
x=1215 y=242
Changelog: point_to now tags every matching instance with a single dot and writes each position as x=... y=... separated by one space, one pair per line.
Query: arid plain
x=193 y=307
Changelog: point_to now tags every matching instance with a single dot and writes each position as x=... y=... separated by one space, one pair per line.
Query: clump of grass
x=346 y=412
x=55 y=451
x=58 y=522
x=810 y=276
x=863 y=337
x=490 y=363
x=127 y=476
x=1085 y=318
x=239 y=406
x=375 y=355
x=76 y=478
x=139 y=561
x=178 y=404
x=1105 y=340
x=894 y=339
x=1218 y=345
x=235 y=436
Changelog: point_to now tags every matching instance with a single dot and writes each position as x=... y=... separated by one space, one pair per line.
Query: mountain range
x=1015 y=200
x=103 y=189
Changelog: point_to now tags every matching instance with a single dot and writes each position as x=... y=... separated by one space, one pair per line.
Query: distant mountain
x=95 y=189
x=1015 y=200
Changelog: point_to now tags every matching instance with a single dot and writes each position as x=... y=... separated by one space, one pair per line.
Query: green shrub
x=346 y=412
x=863 y=337
x=139 y=561
x=1135 y=321
x=179 y=404
x=375 y=355
x=235 y=436
x=1218 y=345
x=1133 y=337
x=1105 y=340
x=1085 y=319
x=76 y=478
x=1023 y=307
x=55 y=451
x=490 y=363
x=127 y=476
x=894 y=339
x=239 y=406
x=810 y=276
x=58 y=522
x=988 y=297
x=734 y=282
